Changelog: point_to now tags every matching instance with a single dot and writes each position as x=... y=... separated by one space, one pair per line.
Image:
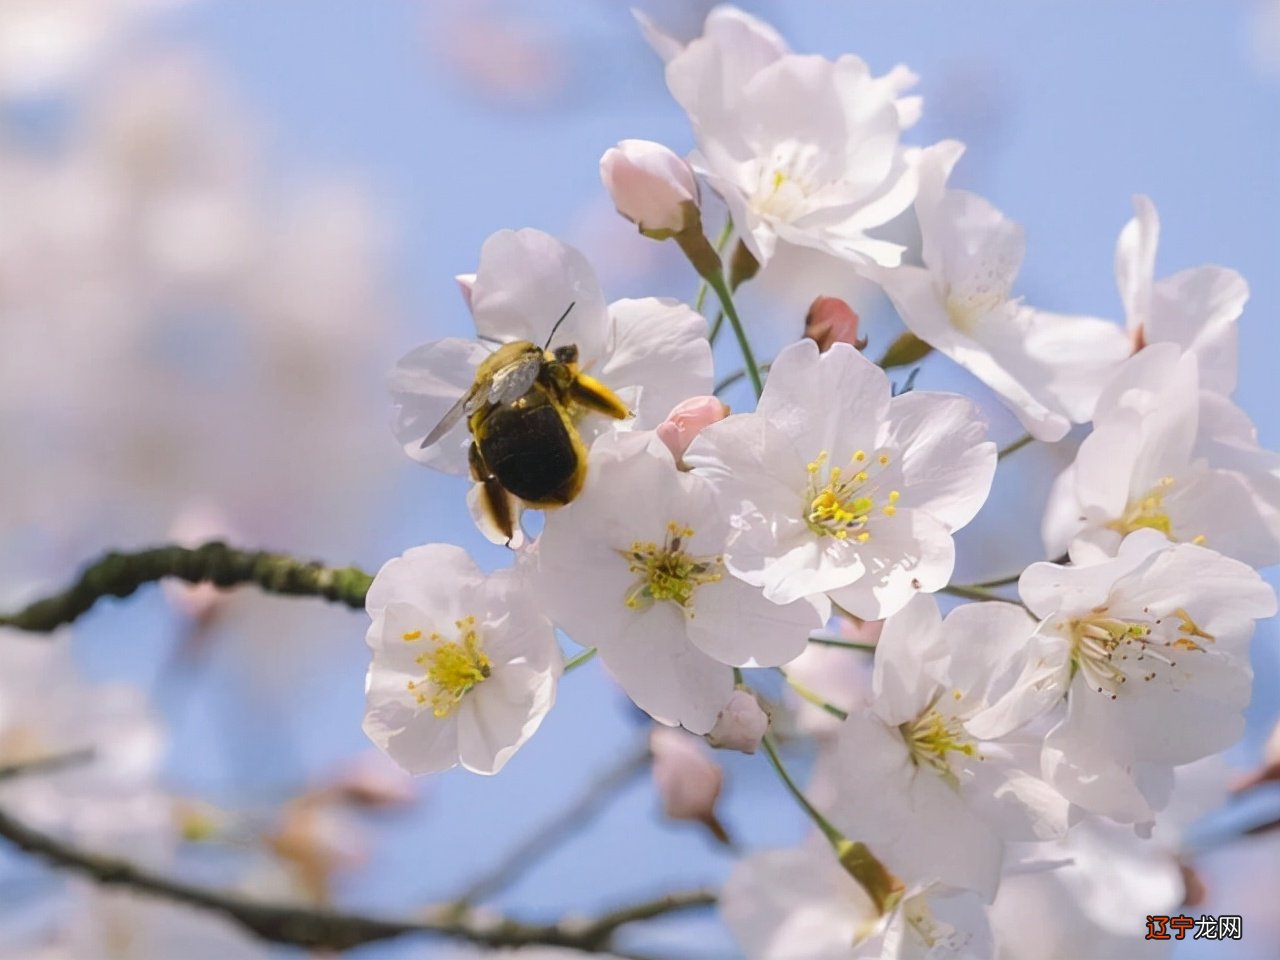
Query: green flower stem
x=120 y=574
x=813 y=697
x=1014 y=447
x=700 y=298
x=574 y=662
x=721 y=289
x=837 y=839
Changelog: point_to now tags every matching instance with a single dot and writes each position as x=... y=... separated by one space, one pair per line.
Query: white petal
x=425 y=385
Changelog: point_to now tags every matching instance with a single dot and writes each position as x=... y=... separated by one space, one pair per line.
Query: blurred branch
x=49 y=764
x=602 y=789
x=120 y=574
x=333 y=931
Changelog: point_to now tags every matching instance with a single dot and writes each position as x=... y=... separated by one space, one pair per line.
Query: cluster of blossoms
x=993 y=742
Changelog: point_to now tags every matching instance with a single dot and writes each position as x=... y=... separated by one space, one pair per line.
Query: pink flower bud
x=651 y=186
x=687 y=779
x=687 y=420
x=741 y=724
x=831 y=320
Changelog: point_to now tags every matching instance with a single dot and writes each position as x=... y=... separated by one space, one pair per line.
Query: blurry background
x=222 y=221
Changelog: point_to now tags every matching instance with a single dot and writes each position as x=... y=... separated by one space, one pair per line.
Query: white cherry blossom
x=840 y=488
x=819 y=177
x=1197 y=308
x=464 y=665
x=801 y=904
x=913 y=780
x=1168 y=456
x=635 y=567
x=1047 y=368
x=1150 y=650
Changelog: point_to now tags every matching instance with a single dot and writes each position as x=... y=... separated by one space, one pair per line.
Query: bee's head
x=568 y=354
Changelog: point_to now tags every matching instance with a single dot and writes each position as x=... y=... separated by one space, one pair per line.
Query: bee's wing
x=465 y=405
x=512 y=382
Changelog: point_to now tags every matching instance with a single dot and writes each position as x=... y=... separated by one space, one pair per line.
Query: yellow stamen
x=452 y=668
x=665 y=572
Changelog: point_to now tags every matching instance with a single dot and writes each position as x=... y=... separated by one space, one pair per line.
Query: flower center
x=452 y=667
x=931 y=737
x=665 y=572
x=1148 y=512
x=841 y=503
x=1105 y=648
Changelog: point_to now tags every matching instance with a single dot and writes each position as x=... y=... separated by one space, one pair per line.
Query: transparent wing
x=513 y=382
x=450 y=419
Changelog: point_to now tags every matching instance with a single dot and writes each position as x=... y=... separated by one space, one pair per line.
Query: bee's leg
x=495 y=502
x=591 y=394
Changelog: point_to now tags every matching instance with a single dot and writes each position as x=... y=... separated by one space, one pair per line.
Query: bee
x=520 y=411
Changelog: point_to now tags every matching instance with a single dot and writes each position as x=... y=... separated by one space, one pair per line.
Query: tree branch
x=120 y=574
x=559 y=828
x=335 y=931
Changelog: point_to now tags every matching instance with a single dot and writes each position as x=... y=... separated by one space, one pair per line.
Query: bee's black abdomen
x=530 y=452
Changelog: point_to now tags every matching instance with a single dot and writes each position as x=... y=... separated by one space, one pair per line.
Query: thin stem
x=833 y=835
x=813 y=697
x=1014 y=447
x=574 y=662
x=564 y=825
x=843 y=644
x=716 y=326
x=998 y=582
x=329 y=931
x=700 y=298
x=733 y=378
x=970 y=592
x=748 y=358
x=120 y=574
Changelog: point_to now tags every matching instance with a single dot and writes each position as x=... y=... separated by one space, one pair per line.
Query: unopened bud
x=687 y=779
x=687 y=420
x=741 y=725
x=651 y=186
x=830 y=321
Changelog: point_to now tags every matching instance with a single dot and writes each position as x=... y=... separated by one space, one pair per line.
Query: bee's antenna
x=552 y=335
x=481 y=336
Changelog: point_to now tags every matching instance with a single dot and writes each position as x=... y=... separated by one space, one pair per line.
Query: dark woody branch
x=120 y=574
x=334 y=931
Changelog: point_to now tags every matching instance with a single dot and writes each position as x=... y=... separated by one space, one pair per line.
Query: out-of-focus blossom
x=1196 y=309
x=464 y=665
x=652 y=187
x=800 y=904
x=741 y=725
x=845 y=489
x=1150 y=650
x=652 y=353
x=830 y=320
x=688 y=781
x=686 y=421
x=1166 y=455
x=46 y=45
x=105 y=796
x=635 y=567
x=1047 y=368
